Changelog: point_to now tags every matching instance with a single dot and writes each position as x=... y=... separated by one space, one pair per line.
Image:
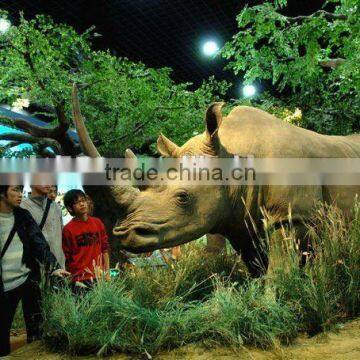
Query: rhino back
x=247 y=130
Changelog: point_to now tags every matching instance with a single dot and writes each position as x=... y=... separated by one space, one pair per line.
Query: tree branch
x=44 y=152
x=22 y=138
x=59 y=107
x=29 y=139
x=331 y=63
x=136 y=129
x=32 y=129
x=327 y=15
x=30 y=63
x=10 y=145
x=140 y=126
x=41 y=108
x=58 y=133
x=63 y=121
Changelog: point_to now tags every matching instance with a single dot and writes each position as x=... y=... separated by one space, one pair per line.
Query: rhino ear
x=165 y=146
x=213 y=118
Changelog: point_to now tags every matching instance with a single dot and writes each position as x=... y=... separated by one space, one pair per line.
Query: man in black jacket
x=22 y=248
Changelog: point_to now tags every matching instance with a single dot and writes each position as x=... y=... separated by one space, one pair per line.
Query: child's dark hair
x=3 y=189
x=71 y=197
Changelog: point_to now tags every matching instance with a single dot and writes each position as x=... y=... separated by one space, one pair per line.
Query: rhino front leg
x=254 y=253
x=215 y=243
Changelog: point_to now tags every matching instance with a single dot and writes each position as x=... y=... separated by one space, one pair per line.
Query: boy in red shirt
x=85 y=243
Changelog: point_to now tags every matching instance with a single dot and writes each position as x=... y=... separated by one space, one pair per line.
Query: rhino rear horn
x=213 y=118
x=166 y=147
x=129 y=154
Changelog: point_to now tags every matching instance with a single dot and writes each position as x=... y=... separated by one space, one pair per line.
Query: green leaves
x=297 y=54
x=125 y=103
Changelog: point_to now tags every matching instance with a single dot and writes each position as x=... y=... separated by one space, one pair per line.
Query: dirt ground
x=343 y=344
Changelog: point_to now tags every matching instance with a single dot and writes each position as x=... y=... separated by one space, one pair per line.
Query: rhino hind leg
x=256 y=253
x=299 y=234
x=305 y=246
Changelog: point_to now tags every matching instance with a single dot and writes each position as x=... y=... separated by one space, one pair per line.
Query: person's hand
x=60 y=273
x=80 y=284
x=129 y=266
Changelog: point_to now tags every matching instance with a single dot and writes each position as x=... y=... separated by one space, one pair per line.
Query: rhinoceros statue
x=166 y=216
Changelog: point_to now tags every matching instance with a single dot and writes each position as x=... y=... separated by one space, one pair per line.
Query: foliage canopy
x=313 y=61
x=125 y=103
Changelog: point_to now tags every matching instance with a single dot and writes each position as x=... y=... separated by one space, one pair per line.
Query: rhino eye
x=183 y=198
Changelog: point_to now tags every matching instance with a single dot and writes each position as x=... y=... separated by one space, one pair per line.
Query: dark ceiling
x=156 y=32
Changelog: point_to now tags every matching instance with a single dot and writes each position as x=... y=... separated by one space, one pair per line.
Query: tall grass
x=213 y=300
x=327 y=289
x=190 y=280
x=110 y=319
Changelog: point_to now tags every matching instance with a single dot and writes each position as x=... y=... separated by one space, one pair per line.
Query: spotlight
x=249 y=90
x=210 y=48
x=4 y=25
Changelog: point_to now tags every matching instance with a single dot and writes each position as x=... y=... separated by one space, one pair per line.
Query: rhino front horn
x=86 y=144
